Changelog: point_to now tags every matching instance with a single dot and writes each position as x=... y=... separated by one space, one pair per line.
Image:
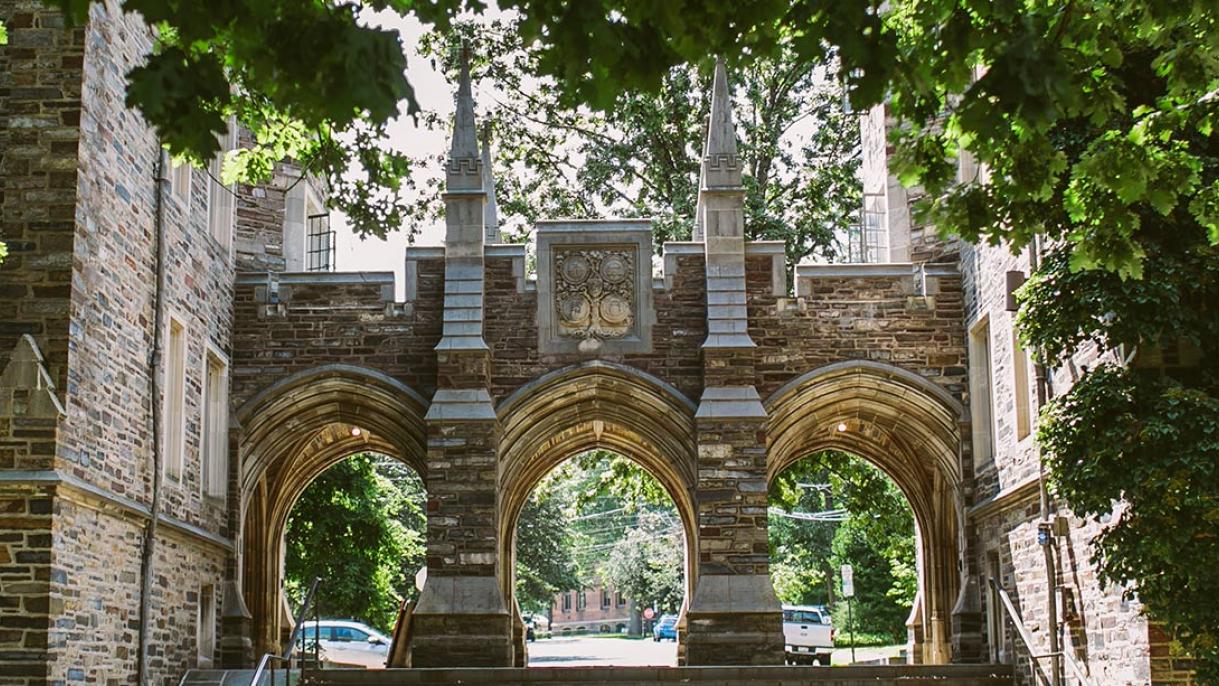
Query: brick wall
x=592 y=616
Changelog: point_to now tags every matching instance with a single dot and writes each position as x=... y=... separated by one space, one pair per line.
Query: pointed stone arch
x=290 y=433
x=595 y=405
x=911 y=429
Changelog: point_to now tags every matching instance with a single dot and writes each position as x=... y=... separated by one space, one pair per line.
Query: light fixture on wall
x=842 y=426
x=356 y=431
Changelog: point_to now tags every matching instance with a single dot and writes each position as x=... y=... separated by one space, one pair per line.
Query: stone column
x=462 y=619
x=236 y=622
x=734 y=616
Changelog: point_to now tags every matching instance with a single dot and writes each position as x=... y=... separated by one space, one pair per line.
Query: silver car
x=346 y=643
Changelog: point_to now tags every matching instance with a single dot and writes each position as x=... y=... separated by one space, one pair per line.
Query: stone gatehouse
x=171 y=378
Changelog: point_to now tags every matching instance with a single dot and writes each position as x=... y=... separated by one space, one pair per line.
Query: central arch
x=291 y=432
x=909 y=428
x=595 y=405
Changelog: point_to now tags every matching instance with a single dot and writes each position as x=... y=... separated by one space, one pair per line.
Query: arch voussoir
x=910 y=429
x=291 y=432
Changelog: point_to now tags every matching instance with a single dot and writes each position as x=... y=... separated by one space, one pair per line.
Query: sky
x=433 y=93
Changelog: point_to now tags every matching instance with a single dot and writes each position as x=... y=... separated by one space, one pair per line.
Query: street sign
x=848 y=581
x=649 y=613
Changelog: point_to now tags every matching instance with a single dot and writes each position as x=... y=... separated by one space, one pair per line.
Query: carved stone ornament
x=594 y=286
x=595 y=292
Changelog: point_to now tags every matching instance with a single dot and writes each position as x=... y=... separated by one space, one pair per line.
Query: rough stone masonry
x=711 y=374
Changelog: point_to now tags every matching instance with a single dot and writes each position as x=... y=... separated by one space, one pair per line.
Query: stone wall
x=95 y=586
x=1105 y=633
x=317 y=320
x=25 y=573
x=306 y=321
x=80 y=198
x=40 y=85
x=679 y=331
x=858 y=314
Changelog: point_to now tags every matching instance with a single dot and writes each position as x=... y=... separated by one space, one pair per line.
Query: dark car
x=665 y=627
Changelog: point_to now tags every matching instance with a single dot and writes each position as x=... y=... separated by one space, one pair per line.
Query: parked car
x=665 y=627
x=346 y=643
x=807 y=634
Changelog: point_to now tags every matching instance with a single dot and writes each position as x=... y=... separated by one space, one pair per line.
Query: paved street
x=593 y=651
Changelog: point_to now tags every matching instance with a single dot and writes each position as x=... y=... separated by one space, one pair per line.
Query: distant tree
x=640 y=157
x=544 y=561
x=348 y=528
x=594 y=507
x=647 y=565
x=876 y=537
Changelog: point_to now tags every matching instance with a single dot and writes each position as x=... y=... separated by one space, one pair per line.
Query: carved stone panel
x=594 y=287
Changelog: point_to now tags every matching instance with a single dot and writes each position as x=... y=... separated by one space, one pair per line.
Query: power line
x=838 y=515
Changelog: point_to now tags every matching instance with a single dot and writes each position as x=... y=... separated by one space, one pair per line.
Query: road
x=593 y=651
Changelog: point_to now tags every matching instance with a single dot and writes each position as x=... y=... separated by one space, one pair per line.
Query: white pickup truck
x=807 y=634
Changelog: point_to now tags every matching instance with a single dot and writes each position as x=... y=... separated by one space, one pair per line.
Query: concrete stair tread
x=859 y=675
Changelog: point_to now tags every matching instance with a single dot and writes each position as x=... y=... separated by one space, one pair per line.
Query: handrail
x=300 y=618
x=1013 y=615
x=262 y=667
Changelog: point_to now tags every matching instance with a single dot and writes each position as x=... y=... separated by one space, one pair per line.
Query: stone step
x=858 y=675
x=237 y=677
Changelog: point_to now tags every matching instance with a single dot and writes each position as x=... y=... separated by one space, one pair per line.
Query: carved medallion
x=594 y=292
x=595 y=287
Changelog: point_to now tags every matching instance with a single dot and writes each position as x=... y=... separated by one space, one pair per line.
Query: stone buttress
x=734 y=616
x=462 y=616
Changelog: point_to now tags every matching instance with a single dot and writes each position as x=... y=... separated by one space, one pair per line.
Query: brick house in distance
x=591 y=610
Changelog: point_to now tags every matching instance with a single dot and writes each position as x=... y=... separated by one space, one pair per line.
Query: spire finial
x=464 y=135
x=491 y=209
x=721 y=165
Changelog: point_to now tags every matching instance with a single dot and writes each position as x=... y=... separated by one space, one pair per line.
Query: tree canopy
x=873 y=531
x=640 y=157
x=358 y=526
x=316 y=82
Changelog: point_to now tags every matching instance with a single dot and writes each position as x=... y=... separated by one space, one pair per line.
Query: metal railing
x=310 y=604
x=1013 y=615
x=271 y=660
x=271 y=664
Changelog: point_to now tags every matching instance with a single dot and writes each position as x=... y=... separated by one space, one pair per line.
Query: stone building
x=177 y=364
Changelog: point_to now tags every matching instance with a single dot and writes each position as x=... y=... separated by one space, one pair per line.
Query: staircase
x=896 y=675
x=238 y=677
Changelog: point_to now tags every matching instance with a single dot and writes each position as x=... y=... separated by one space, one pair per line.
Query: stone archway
x=293 y=431
x=910 y=429
x=586 y=407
